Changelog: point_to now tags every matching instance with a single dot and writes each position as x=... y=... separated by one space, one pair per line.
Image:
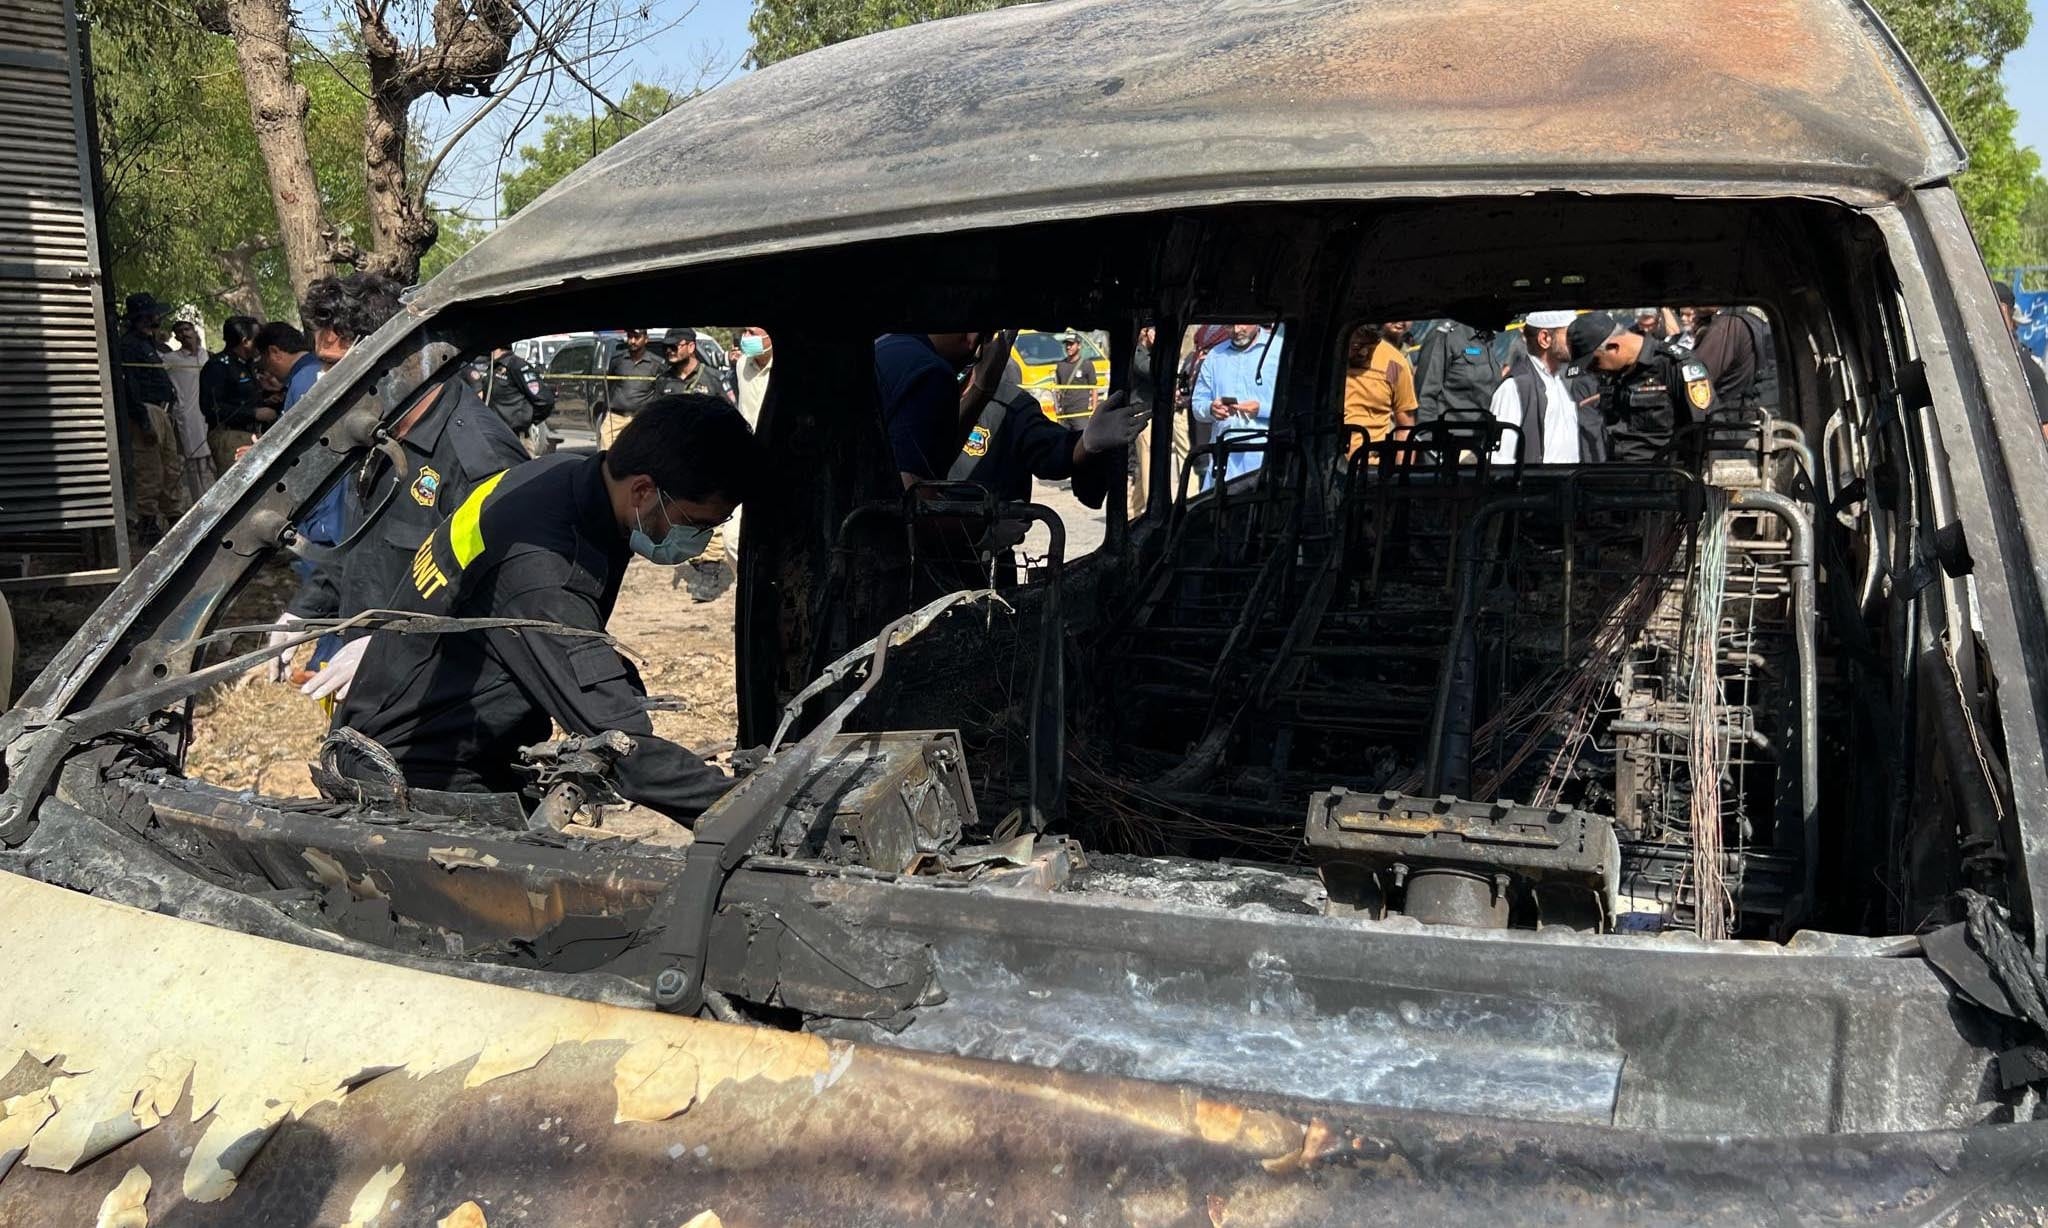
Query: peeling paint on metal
x=456 y=858
x=468 y=1215
x=369 y=1201
x=25 y=1115
x=655 y=1080
x=329 y=872
x=125 y=1206
x=208 y=1003
x=507 y=1055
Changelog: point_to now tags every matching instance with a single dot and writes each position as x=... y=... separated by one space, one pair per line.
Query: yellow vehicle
x=1038 y=357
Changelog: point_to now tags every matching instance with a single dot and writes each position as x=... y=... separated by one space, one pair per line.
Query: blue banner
x=2032 y=316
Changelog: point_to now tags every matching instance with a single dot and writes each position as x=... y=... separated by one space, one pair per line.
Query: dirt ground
x=258 y=734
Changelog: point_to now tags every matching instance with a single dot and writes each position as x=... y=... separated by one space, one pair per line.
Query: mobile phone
x=1230 y=401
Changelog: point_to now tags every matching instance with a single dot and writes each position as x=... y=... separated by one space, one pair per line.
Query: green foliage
x=783 y=28
x=1960 y=48
x=185 y=186
x=2034 y=231
x=568 y=140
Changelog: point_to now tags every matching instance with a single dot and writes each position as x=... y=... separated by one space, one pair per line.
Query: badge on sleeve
x=977 y=441
x=1698 y=388
x=426 y=488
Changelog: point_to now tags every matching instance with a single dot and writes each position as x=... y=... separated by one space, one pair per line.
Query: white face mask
x=682 y=543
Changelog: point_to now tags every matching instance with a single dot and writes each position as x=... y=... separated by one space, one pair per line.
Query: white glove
x=1114 y=424
x=340 y=670
x=281 y=664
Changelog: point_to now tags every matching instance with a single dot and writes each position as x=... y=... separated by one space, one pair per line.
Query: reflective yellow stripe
x=465 y=527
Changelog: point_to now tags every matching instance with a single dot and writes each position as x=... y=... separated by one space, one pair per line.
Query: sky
x=2026 y=81
x=704 y=36
x=716 y=31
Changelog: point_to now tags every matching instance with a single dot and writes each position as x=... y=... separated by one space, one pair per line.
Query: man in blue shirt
x=282 y=351
x=1238 y=388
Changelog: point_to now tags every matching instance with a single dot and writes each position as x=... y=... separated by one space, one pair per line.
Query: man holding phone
x=1237 y=389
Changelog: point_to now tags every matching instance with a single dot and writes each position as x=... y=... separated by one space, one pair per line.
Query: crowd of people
x=1570 y=387
x=186 y=414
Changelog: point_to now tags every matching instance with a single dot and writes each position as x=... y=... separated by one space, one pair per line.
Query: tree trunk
x=472 y=42
x=277 y=107
x=242 y=296
x=401 y=227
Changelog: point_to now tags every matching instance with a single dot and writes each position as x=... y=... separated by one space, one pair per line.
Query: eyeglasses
x=687 y=523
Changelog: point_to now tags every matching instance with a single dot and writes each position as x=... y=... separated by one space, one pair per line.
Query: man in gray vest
x=1534 y=398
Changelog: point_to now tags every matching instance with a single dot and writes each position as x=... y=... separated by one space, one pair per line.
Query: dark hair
x=236 y=329
x=278 y=335
x=2003 y=289
x=350 y=307
x=693 y=445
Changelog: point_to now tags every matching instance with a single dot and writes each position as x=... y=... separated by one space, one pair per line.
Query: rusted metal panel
x=1094 y=106
x=259 y=1083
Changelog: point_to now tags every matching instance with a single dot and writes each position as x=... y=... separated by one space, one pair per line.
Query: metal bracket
x=679 y=925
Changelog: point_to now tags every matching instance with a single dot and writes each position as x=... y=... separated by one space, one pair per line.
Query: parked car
x=576 y=372
x=1363 y=840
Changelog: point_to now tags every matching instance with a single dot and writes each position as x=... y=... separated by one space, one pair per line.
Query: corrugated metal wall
x=57 y=468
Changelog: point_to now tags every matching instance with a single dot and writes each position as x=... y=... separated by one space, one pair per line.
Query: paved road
x=1084 y=528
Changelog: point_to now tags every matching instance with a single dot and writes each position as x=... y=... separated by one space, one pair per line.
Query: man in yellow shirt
x=1379 y=390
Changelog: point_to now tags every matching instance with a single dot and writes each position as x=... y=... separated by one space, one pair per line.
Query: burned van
x=1372 y=822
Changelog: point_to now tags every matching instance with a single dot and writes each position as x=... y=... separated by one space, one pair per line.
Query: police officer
x=629 y=384
x=1013 y=442
x=156 y=467
x=550 y=541
x=1655 y=390
x=687 y=372
x=450 y=441
x=516 y=391
x=231 y=393
x=1588 y=386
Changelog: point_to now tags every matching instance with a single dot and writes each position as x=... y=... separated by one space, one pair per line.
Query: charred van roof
x=1093 y=106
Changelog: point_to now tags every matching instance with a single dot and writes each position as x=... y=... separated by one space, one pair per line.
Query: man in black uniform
x=629 y=385
x=1075 y=376
x=231 y=393
x=550 y=541
x=1011 y=443
x=1457 y=369
x=516 y=391
x=1656 y=390
x=452 y=442
x=1587 y=386
x=686 y=371
x=156 y=469
x=1725 y=342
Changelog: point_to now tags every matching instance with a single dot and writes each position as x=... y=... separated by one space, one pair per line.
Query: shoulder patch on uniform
x=426 y=487
x=1698 y=388
x=977 y=441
